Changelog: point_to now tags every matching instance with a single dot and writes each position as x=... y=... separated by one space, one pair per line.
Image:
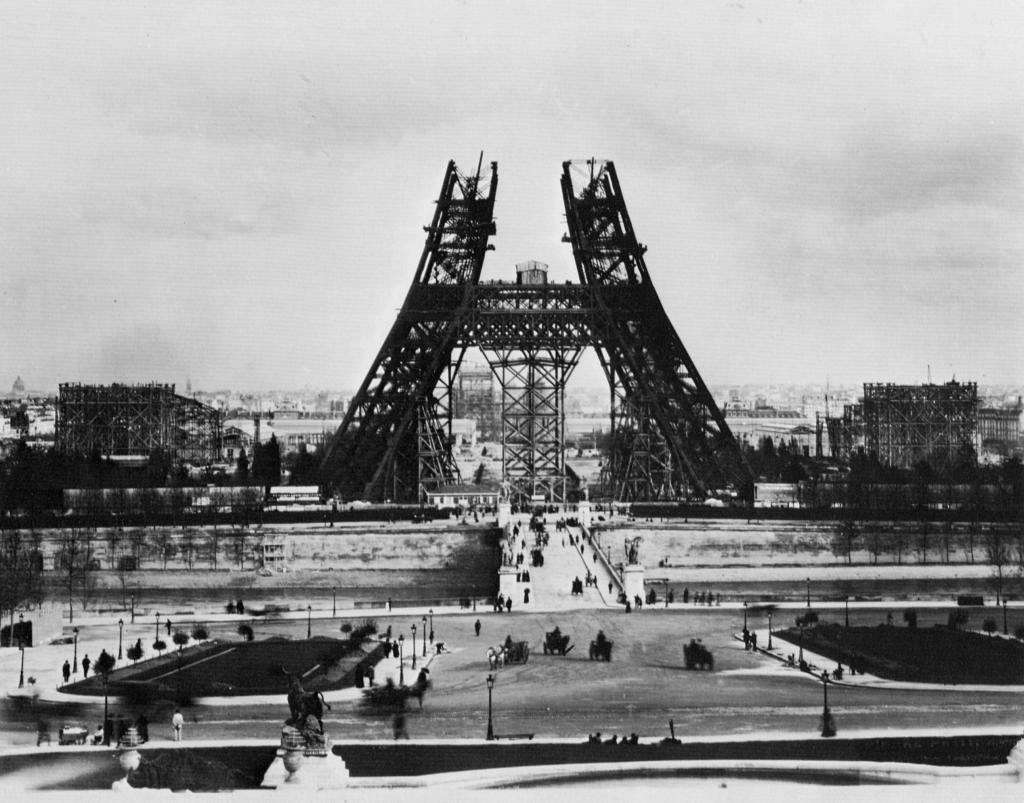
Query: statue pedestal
x=297 y=766
x=633 y=581
x=507 y=583
x=504 y=514
x=583 y=513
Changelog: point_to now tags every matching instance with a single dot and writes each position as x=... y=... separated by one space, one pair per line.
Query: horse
x=496 y=657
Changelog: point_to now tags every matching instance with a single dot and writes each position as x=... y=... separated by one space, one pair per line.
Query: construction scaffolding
x=135 y=421
x=907 y=424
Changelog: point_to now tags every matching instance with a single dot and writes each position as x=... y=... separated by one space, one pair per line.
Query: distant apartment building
x=751 y=425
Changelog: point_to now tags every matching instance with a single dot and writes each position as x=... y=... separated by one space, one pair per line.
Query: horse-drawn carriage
x=601 y=648
x=697 y=656
x=556 y=644
x=511 y=652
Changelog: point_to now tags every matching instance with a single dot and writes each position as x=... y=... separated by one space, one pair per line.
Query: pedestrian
x=177 y=723
x=240 y=607
x=142 y=728
x=526 y=595
x=476 y=627
x=66 y=670
x=168 y=627
x=85 y=665
x=686 y=595
x=609 y=586
x=508 y=604
x=398 y=724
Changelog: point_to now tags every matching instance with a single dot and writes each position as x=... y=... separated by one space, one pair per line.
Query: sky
x=235 y=192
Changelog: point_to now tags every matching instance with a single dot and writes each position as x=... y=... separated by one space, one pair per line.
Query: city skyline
x=826 y=193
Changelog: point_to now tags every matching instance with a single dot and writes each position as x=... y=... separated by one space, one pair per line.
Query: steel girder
x=640 y=350
x=374 y=454
x=533 y=421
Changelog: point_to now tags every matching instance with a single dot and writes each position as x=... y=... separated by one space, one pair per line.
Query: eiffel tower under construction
x=669 y=439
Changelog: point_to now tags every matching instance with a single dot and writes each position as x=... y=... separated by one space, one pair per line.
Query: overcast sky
x=236 y=192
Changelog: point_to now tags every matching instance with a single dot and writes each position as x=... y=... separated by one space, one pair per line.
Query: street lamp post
x=769 y=630
x=120 y=639
x=828 y=725
x=744 y=617
x=158 y=625
x=490 y=719
x=74 y=661
x=431 y=612
x=808 y=592
x=414 y=646
x=1006 y=629
x=309 y=621
x=334 y=602
x=133 y=609
x=425 y=636
x=21 y=646
x=401 y=660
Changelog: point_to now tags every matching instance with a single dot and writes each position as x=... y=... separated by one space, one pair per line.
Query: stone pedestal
x=583 y=513
x=633 y=581
x=504 y=513
x=507 y=583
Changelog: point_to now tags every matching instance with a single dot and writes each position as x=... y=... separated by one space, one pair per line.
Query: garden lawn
x=238 y=668
x=924 y=655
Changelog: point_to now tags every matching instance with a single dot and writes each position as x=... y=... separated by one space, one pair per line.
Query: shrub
x=910 y=617
x=104 y=664
x=180 y=638
x=159 y=645
x=346 y=628
x=1019 y=632
x=245 y=632
x=135 y=651
x=199 y=633
x=989 y=626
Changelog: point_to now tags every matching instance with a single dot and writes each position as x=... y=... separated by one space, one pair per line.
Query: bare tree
x=163 y=538
x=188 y=545
x=997 y=554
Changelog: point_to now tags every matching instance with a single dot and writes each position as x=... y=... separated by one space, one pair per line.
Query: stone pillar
x=583 y=514
x=633 y=581
x=507 y=583
x=504 y=513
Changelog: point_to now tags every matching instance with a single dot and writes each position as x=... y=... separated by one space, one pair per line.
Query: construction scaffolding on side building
x=135 y=421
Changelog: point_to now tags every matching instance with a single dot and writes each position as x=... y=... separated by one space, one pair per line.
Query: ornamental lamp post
x=828 y=725
x=401 y=660
x=769 y=629
x=744 y=616
x=158 y=625
x=808 y=592
x=425 y=636
x=334 y=601
x=431 y=612
x=414 y=646
x=1006 y=629
x=309 y=621
x=120 y=639
x=133 y=609
x=490 y=719
x=74 y=662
